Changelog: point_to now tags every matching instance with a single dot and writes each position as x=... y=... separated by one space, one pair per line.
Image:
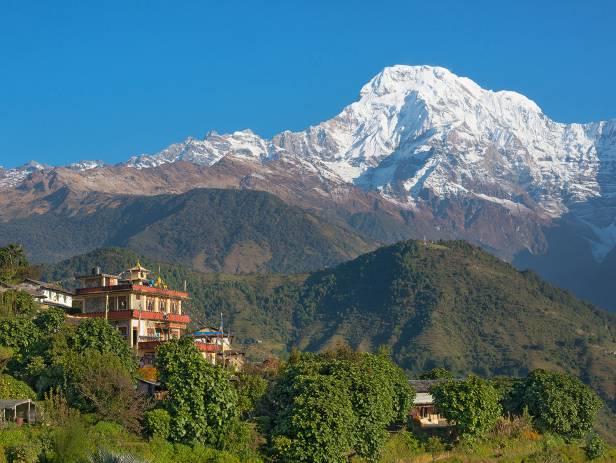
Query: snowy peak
x=207 y=151
x=417 y=129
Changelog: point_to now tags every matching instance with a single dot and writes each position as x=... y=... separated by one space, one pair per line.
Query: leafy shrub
x=201 y=400
x=318 y=422
x=101 y=384
x=98 y=334
x=325 y=406
x=55 y=410
x=25 y=452
x=157 y=423
x=11 y=388
x=595 y=447
x=473 y=405
x=51 y=320
x=434 y=446
x=560 y=403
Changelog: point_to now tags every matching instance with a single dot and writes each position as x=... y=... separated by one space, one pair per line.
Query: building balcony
x=138 y=314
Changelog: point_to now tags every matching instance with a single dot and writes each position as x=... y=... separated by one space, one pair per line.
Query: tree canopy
x=201 y=401
x=560 y=403
x=472 y=405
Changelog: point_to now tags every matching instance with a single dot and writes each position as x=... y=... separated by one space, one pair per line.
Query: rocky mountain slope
x=421 y=152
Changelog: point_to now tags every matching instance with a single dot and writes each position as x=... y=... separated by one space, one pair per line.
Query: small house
x=423 y=411
x=19 y=411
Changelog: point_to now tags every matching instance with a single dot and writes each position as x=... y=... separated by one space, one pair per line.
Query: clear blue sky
x=105 y=79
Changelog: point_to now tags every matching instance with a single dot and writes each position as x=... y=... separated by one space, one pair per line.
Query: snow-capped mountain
x=82 y=166
x=13 y=177
x=422 y=152
x=421 y=129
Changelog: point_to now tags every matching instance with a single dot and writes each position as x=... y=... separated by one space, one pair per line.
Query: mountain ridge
x=422 y=152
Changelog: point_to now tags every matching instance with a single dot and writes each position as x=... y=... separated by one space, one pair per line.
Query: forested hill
x=445 y=304
x=233 y=231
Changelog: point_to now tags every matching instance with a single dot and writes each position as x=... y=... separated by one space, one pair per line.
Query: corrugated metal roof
x=14 y=403
x=423 y=398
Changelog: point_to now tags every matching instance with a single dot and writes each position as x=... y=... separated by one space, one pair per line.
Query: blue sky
x=105 y=80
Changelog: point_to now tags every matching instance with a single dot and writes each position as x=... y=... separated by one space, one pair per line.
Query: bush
x=560 y=403
x=595 y=447
x=201 y=400
x=101 y=384
x=434 y=446
x=318 y=423
x=157 y=423
x=11 y=388
x=26 y=452
x=98 y=334
x=70 y=444
x=473 y=405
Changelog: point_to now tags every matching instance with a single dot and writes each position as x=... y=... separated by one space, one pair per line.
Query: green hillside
x=448 y=304
x=233 y=231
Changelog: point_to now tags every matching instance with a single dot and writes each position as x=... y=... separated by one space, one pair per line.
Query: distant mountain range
x=422 y=152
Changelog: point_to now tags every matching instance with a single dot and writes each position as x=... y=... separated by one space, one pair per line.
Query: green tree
x=98 y=334
x=201 y=400
x=472 y=405
x=51 y=320
x=20 y=334
x=157 y=423
x=99 y=382
x=13 y=263
x=317 y=422
x=12 y=388
x=434 y=446
x=560 y=403
x=595 y=447
x=375 y=389
x=17 y=303
x=251 y=388
x=380 y=396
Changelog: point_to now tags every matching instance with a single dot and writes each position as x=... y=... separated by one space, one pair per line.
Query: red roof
x=135 y=288
x=208 y=347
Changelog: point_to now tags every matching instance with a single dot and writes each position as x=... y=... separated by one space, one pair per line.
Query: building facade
x=215 y=347
x=143 y=309
x=48 y=294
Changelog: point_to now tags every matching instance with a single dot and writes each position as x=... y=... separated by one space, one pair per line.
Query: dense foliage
x=472 y=405
x=326 y=406
x=560 y=403
x=14 y=265
x=235 y=231
x=201 y=400
x=11 y=388
x=97 y=334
